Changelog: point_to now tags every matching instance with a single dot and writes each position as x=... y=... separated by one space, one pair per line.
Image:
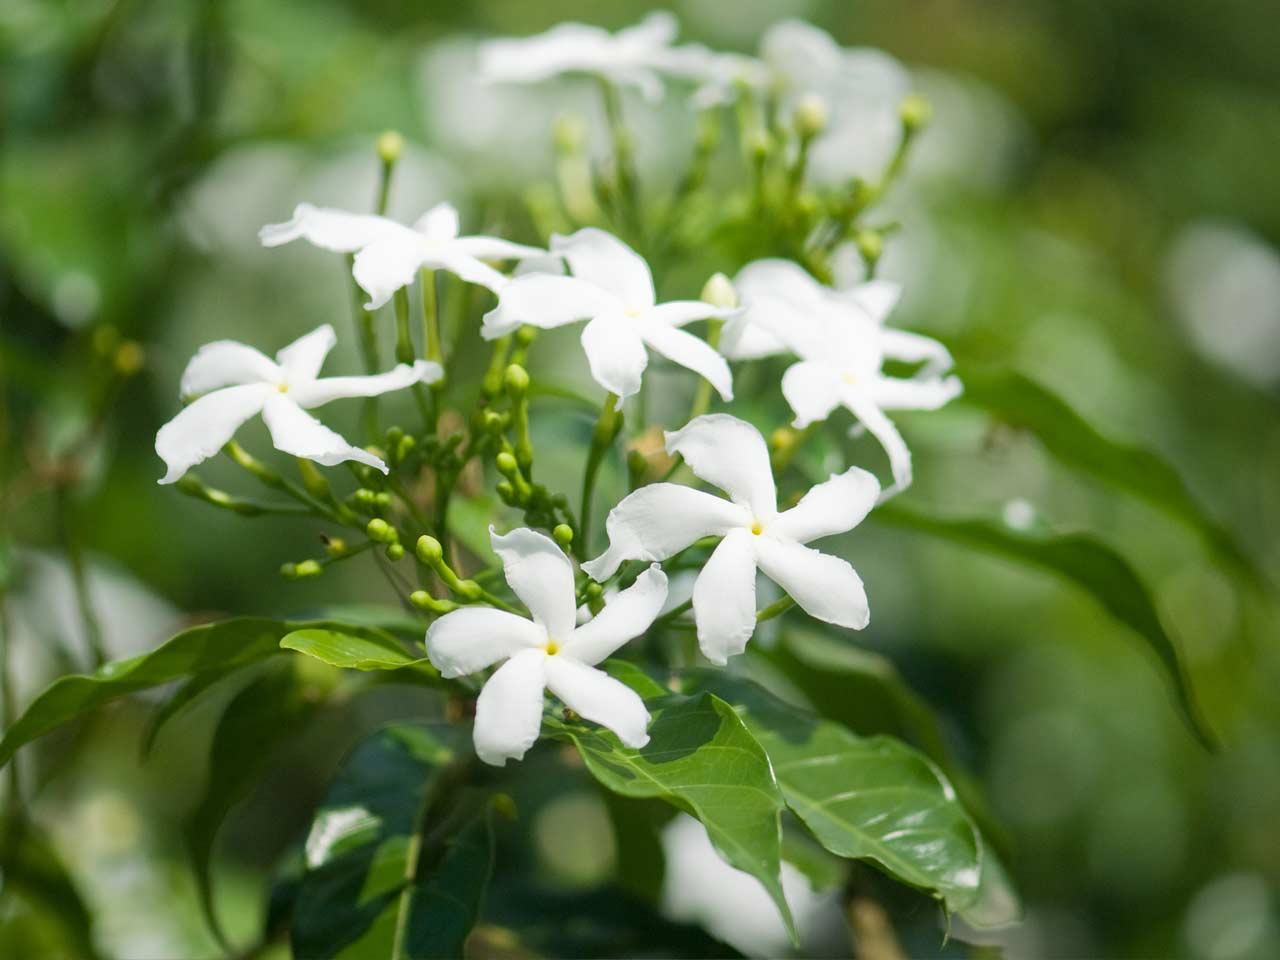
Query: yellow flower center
x=283 y=388
x=850 y=378
x=551 y=647
x=757 y=528
x=633 y=311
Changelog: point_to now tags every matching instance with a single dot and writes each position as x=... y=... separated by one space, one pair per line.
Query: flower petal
x=627 y=615
x=914 y=348
x=545 y=300
x=318 y=392
x=468 y=640
x=657 y=29
x=731 y=454
x=225 y=363
x=541 y=576
x=826 y=587
x=677 y=313
x=295 y=431
x=495 y=248
x=834 y=506
x=876 y=298
x=615 y=354
x=658 y=521
x=922 y=393
x=603 y=259
x=567 y=46
x=301 y=360
x=595 y=695
x=862 y=406
x=205 y=425
x=467 y=267
x=387 y=265
x=438 y=224
x=724 y=598
x=331 y=229
x=813 y=391
x=509 y=709
x=691 y=353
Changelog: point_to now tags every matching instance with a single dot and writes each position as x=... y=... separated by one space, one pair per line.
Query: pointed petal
x=615 y=354
x=385 y=266
x=627 y=615
x=813 y=391
x=826 y=587
x=205 y=425
x=657 y=29
x=296 y=432
x=541 y=576
x=876 y=298
x=468 y=268
x=724 y=598
x=225 y=363
x=509 y=709
x=834 y=506
x=881 y=427
x=742 y=339
x=692 y=354
x=921 y=393
x=914 y=348
x=468 y=640
x=495 y=248
x=301 y=360
x=677 y=313
x=438 y=224
x=658 y=521
x=331 y=229
x=595 y=695
x=545 y=300
x=567 y=46
x=318 y=392
x=731 y=454
x=603 y=259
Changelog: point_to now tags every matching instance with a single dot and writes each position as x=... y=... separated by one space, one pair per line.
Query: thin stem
x=79 y=575
x=775 y=609
x=431 y=338
x=623 y=159
x=405 y=354
x=674 y=613
x=367 y=334
x=702 y=398
x=270 y=478
x=606 y=430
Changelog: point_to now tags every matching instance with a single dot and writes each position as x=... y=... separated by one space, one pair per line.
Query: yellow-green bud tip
x=381 y=531
x=570 y=133
x=429 y=550
x=516 y=380
x=719 y=292
x=811 y=116
x=563 y=535
x=506 y=463
x=916 y=112
x=395 y=551
x=390 y=146
x=870 y=244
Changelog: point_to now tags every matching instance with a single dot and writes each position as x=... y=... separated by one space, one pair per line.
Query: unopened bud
x=300 y=571
x=506 y=464
x=526 y=334
x=811 y=116
x=563 y=535
x=395 y=552
x=493 y=421
x=335 y=546
x=381 y=531
x=505 y=807
x=390 y=146
x=129 y=358
x=718 y=291
x=506 y=491
x=428 y=550
x=516 y=380
x=870 y=245
x=760 y=144
x=916 y=112
x=569 y=133
x=469 y=590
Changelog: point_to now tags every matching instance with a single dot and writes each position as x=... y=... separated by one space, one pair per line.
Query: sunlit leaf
x=369 y=651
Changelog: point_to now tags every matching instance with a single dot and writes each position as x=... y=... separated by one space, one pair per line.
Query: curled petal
x=603 y=259
x=332 y=229
x=387 y=265
x=318 y=392
x=467 y=267
x=595 y=695
x=295 y=431
x=225 y=363
x=660 y=520
x=509 y=709
x=813 y=391
x=473 y=638
x=861 y=405
x=545 y=300
x=495 y=248
x=541 y=576
x=826 y=587
x=914 y=348
x=724 y=598
x=627 y=615
x=731 y=454
x=302 y=359
x=925 y=393
x=438 y=224
x=692 y=354
x=615 y=354
x=834 y=506
x=205 y=425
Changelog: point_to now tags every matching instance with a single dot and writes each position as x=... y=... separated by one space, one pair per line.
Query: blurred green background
x=1096 y=205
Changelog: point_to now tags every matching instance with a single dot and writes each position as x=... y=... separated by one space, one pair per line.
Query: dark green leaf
x=184 y=696
x=642 y=865
x=31 y=871
x=367 y=651
x=701 y=759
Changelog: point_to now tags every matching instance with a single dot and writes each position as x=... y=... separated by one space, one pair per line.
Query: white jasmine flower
x=660 y=520
x=233 y=382
x=631 y=57
x=611 y=287
x=548 y=652
x=388 y=255
x=842 y=342
x=719 y=75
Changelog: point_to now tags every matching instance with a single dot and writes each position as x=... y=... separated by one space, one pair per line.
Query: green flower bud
x=563 y=535
x=494 y=422
x=428 y=550
x=811 y=116
x=335 y=546
x=469 y=590
x=382 y=500
x=516 y=380
x=128 y=358
x=505 y=807
x=525 y=335
x=718 y=291
x=506 y=464
x=425 y=601
x=507 y=492
x=364 y=496
x=870 y=245
x=390 y=146
x=759 y=145
x=300 y=571
x=916 y=112
x=569 y=133
x=380 y=531
x=395 y=552
x=594 y=591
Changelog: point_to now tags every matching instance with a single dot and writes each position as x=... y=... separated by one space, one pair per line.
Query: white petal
x=925 y=393
x=784 y=279
x=595 y=695
x=331 y=229
x=318 y=392
x=743 y=340
x=658 y=29
x=876 y=298
x=678 y=313
x=545 y=300
x=797 y=328
x=914 y=348
x=509 y=709
x=495 y=248
x=205 y=425
x=384 y=267
x=813 y=391
x=541 y=576
x=658 y=521
x=882 y=428
x=301 y=360
x=615 y=354
x=467 y=267
x=225 y=363
x=438 y=224
x=567 y=46
x=731 y=454
x=826 y=587
x=473 y=638
x=691 y=353
x=627 y=615
x=603 y=259
x=642 y=78
x=834 y=506
x=724 y=598
x=296 y=432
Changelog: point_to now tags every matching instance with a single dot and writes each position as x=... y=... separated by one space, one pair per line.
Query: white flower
x=389 y=254
x=233 y=382
x=612 y=287
x=660 y=520
x=842 y=342
x=631 y=57
x=548 y=652
x=719 y=75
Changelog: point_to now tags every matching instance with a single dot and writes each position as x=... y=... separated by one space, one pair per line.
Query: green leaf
x=1021 y=402
x=394 y=869
x=223 y=646
x=33 y=873
x=370 y=651
x=701 y=759
x=1085 y=561
x=871 y=798
x=184 y=696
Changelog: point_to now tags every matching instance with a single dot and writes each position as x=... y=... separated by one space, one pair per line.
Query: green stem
x=775 y=609
x=702 y=398
x=79 y=574
x=268 y=477
x=623 y=158
x=431 y=338
x=674 y=612
x=606 y=430
x=405 y=354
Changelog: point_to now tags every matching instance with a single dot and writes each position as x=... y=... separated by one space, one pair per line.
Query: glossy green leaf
x=31 y=872
x=368 y=651
x=1085 y=561
x=701 y=759
x=394 y=870
x=867 y=798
